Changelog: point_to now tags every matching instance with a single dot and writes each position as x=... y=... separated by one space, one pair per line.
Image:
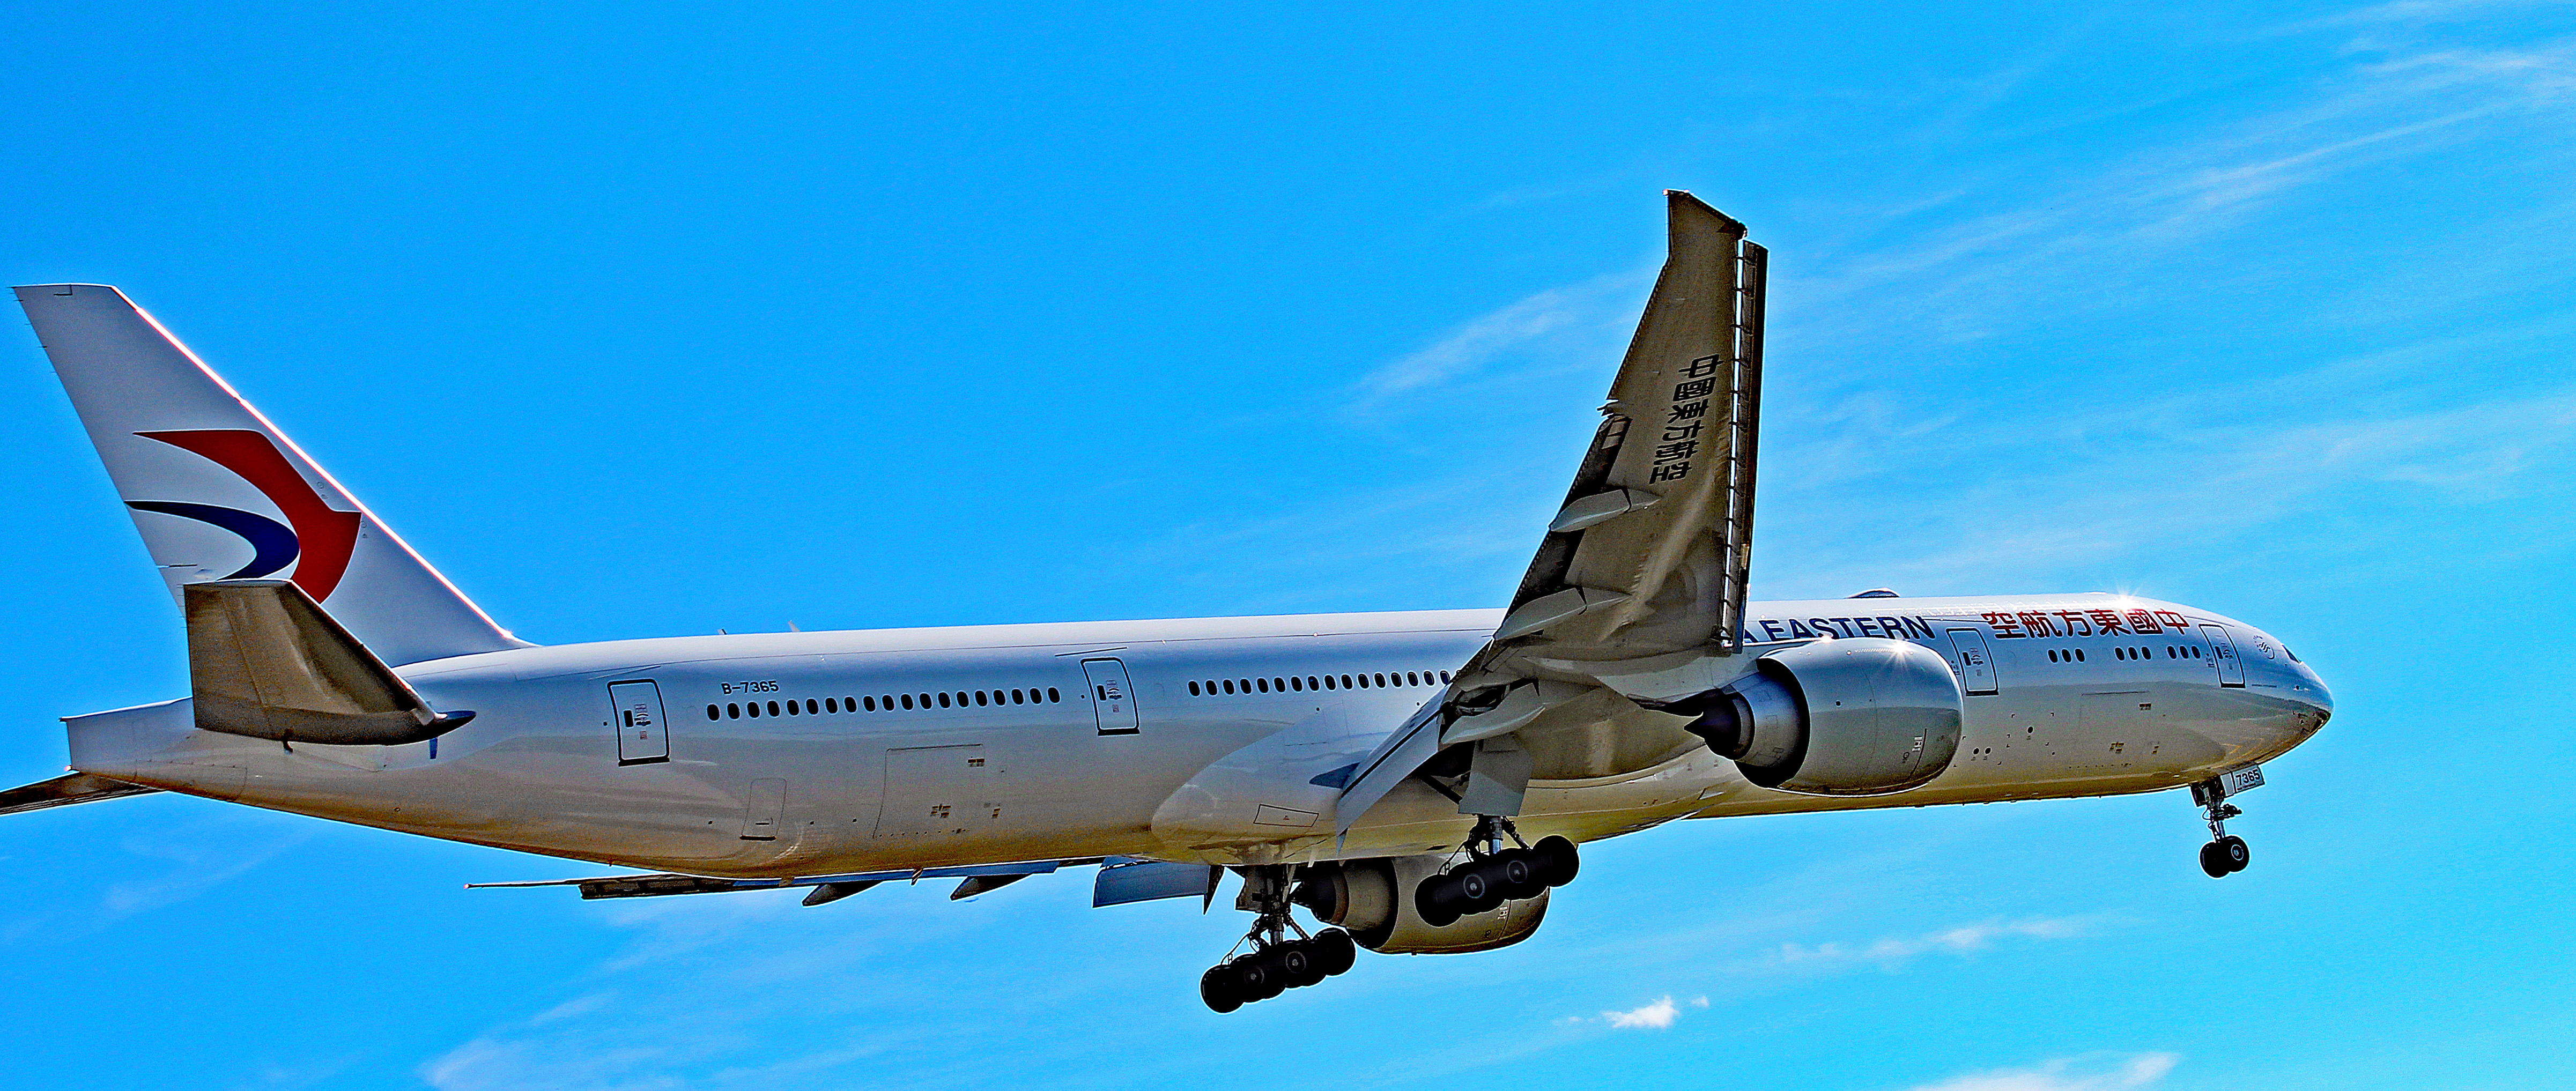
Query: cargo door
x=635 y=710
x=1976 y=665
x=938 y=790
x=2222 y=655
x=1113 y=701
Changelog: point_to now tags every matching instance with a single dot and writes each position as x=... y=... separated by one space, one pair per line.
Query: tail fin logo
x=322 y=536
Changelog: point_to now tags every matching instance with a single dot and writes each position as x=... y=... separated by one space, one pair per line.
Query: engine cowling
x=1863 y=716
x=1373 y=901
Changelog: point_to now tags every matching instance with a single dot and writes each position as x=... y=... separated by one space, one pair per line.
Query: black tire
x=1335 y=951
x=1217 y=987
x=1522 y=873
x=1487 y=874
x=1298 y=963
x=1274 y=974
x=1562 y=861
x=2232 y=849
x=1434 y=901
x=1475 y=889
x=1252 y=979
x=2213 y=861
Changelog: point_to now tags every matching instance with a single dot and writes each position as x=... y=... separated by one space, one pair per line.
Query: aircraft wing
x=1641 y=576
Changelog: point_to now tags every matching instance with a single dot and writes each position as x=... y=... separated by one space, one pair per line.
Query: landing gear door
x=635 y=710
x=1113 y=700
x=2222 y=655
x=1976 y=665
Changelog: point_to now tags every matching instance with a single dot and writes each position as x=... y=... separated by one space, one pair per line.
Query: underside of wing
x=1638 y=588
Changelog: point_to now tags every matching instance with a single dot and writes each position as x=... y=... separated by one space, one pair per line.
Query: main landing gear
x=2225 y=854
x=1493 y=874
x=1276 y=962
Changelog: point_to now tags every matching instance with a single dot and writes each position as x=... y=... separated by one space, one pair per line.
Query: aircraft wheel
x=2213 y=861
x=1436 y=901
x=1560 y=859
x=1297 y=964
x=1476 y=892
x=2232 y=849
x=1335 y=951
x=1522 y=873
x=1217 y=987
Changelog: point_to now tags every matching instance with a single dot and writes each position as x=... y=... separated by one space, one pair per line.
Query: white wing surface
x=1638 y=588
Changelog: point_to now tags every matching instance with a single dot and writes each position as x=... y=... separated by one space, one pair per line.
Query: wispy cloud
x=1963 y=939
x=2069 y=1074
x=1560 y=327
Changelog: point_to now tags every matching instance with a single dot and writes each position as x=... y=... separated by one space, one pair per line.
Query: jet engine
x=1372 y=899
x=1857 y=717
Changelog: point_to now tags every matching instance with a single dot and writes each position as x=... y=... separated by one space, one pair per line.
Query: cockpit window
x=2294 y=656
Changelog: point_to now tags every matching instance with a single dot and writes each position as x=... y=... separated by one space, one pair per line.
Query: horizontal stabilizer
x=66 y=790
x=267 y=663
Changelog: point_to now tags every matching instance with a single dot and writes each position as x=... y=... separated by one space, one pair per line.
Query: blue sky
x=644 y=319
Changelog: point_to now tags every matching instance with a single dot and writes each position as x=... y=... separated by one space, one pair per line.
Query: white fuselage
x=1015 y=743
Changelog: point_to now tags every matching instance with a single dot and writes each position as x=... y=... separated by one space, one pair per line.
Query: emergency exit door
x=2222 y=655
x=1976 y=665
x=1113 y=701
x=635 y=710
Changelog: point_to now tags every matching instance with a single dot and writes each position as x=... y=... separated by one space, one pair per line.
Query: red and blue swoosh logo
x=322 y=536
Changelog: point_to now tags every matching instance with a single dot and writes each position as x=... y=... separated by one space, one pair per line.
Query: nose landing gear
x=2225 y=854
x=1277 y=962
x=1493 y=874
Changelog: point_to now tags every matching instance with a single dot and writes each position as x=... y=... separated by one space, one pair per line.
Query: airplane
x=1416 y=782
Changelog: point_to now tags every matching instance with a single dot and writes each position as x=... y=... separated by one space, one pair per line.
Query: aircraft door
x=2222 y=655
x=762 y=810
x=635 y=710
x=1976 y=665
x=1113 y=700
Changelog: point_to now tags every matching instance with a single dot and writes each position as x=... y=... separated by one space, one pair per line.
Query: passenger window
x=733 y=712
x=809 y=707
x=1310 y=682
x=907 y=701
x=1278 y=685
x=1381 y=679
x=773 y=708
x=1446 y=678
x=1346 y=681
x=1194 y=689
x=714 y=713
x=1052 y=695
x=1229 y=685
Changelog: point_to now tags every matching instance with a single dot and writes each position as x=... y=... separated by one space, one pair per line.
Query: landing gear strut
x=2225 y=854
x=1276 y=962
x=1493 y=874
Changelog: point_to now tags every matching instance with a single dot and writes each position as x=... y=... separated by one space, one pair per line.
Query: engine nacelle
x=1857 y=717
x=1373 y=901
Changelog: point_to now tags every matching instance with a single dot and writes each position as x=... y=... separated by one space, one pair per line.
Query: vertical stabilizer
x=220 y=494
